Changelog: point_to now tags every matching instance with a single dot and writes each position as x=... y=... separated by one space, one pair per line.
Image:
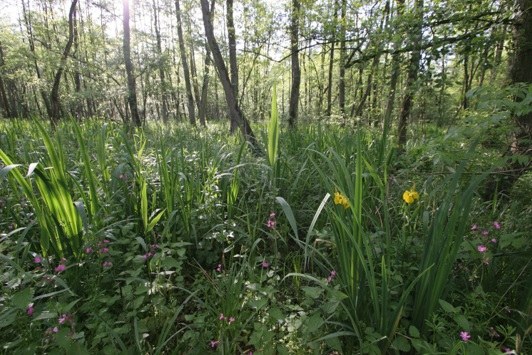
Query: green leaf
x=462 y=321
x=22 y=298
x=312 y=292
x=314 y=323
x=401 y=344
x=413 y=331
x=447 y=307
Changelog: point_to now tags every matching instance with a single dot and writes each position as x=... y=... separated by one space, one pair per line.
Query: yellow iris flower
x=410 y=196
x=340 y=199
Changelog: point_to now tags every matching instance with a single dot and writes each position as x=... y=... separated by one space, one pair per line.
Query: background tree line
x=380 y=62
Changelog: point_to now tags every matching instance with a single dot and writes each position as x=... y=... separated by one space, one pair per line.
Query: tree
x=413 y=69
x=130 y=72
x=234 y=109
x=296 y=70
x=233 y=65
x=55 y=104
x=184 y=63
x=520 y=72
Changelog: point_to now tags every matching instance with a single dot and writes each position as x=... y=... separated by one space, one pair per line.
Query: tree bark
x=233 y=65
x=521 y=72
x=161 y=64
x=223 y=75
x=296 y=70
x=186 y=72
x=341 y=75
x=130 y=72
x=55 y=104
x=331 y=65
x=413 y=69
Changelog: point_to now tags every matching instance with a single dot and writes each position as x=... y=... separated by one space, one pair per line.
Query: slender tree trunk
x=205 y=86
x=161 y=65
x=296 y=70
x=55 y=103
x=413 y=69
x=233 y=65
x=130 y=72
x=184 y=63
x=341 y=76
x=232 y=104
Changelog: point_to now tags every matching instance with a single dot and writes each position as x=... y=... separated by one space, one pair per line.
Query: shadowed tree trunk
x=55 y=104
x=223 y=75
x=233 y=66
x=130 y=72
x=296 y=70
x=161 y=64
x=413 y=68
x=186 y=72
x=341 y=75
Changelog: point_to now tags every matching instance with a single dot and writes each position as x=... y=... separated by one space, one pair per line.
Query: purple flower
x=485 y=233
x=271 y=223
x=331 y=277
x=214 y=344
x=37 y=259
x=482 y=248
x=30 y=310
x=265 y=264
x=60 y=268
x=107 y=264
x=497 y=225
x=106 y=241
x=493 y=240
x=88 y=250
x=231 y=320
x=465 y=336
x=221 y=317
x=104 y=250
x=63 y=318
x=474 y=227
x=219 y=268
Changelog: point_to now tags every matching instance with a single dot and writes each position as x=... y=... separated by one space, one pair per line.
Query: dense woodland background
x=381 y=62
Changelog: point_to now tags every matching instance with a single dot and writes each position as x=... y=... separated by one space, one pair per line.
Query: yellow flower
x=340 y=199
x=410 y=196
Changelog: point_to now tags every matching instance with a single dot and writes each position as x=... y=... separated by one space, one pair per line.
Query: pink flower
x=494 y=240
x=231 y=320
x=465 y=336
x=482 y=248
x=265 y=264
x=496 y=225
x=107 y=264
x=60 y=268
x=37 y=259
x=106 y=241
x=104 y=250
x=474 y=228
x=221 y=317
x=63 y=318
x=30 y=310
x=219 y=268
x=271 y=223
x=485 y=233
x=331 y=277
x=147 y=256
x=88 y=250
x=214 y=344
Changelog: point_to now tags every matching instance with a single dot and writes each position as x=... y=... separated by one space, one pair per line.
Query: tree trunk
x=55 y=104
x=233 y=66
x=130 y=72
x=296 y=70
x=520 y=72
x=161 y=64
x=341 y=75
x=413 y=69
x=232 y=104
x=186 y=72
